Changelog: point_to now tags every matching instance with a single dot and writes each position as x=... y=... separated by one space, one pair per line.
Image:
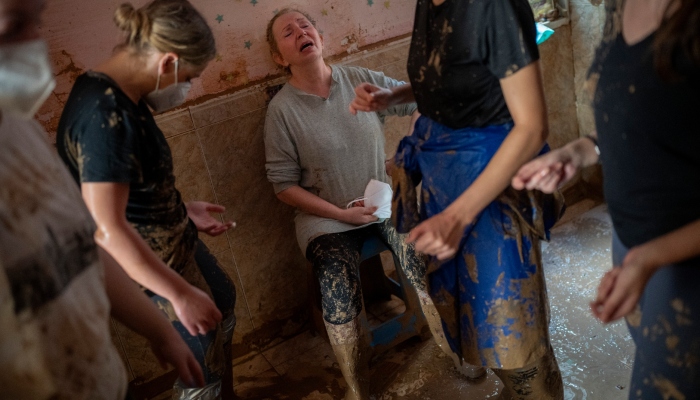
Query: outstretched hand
x=198 y=211
x=369 y=97
x=620 y=289
x=547 y=172
x=438 y=236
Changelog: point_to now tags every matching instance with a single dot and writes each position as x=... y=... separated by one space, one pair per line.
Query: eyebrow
x=300 y=19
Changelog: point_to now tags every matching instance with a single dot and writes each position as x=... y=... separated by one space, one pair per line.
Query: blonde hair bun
x=134 y=23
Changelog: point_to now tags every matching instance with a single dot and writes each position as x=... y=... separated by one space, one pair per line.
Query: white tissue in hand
x=378 y=194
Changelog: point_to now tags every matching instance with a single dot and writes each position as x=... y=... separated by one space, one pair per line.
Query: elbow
x=535 y=133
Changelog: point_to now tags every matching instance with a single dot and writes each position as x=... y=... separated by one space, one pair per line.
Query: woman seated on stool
x=320 y=158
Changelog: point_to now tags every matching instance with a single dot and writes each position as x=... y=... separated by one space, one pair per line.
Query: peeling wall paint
x=81 y=34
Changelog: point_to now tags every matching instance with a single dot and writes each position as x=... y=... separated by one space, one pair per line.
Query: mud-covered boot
x=353 y=354
x=538 y=381
x=472 y=372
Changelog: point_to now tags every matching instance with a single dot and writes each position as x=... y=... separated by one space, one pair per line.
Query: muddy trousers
x=666 y=333
x=213 y=350
x=336 y=259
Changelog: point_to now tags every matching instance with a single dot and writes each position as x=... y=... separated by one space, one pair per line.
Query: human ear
x=167 y=63
x=277 y=57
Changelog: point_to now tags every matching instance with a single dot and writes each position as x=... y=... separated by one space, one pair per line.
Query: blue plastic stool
x=388 y=334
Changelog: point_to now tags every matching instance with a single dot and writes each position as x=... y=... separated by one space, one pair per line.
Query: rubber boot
x=352 y=353
x=435 y=323
x=537 y=381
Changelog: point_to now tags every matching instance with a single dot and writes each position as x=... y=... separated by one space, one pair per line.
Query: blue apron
x=491 y=296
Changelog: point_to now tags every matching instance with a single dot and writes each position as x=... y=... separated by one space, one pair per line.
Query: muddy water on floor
x=595 y=360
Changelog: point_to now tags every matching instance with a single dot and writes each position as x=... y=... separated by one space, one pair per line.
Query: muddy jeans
x=665 y=332
x=336 y=260
x=205 y=273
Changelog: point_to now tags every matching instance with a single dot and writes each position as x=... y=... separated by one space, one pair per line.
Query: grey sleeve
x=281 y=157
x=381 y=80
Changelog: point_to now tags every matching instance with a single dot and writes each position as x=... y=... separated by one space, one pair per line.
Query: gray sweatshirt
x=315 y=143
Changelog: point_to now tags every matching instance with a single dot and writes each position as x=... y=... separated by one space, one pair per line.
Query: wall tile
x=229 y=106
x=244 y=324
x=175 y=123
x=389 y=55
x=395 y=128
x=193 y=181
x=274 y=275
x=235 y=153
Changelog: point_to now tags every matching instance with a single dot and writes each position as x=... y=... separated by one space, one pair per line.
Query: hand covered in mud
x=198 y=211
x=358 y=214
x=438 y=236
x=170 y=349
x=196 y=310
x=547 y=172
x=369 y=97
x=621 y=288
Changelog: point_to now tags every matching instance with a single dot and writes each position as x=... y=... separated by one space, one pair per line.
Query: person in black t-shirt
x=646 y=97
x=474 y=71
x=108 y=138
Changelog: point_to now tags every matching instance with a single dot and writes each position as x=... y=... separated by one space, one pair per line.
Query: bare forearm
x=402 y=94
x=298 y=197
x=140 y=262
x=520 y=146
x=676 y=246
x=583 y=152
x=130 y=305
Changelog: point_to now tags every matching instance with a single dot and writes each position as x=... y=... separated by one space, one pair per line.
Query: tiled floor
x=595 y=360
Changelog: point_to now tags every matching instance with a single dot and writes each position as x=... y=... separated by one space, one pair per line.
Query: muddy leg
x=352 y=353
x=538 y=381
x=435 y=323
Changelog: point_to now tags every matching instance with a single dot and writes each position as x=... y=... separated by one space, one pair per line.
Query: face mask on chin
x=170 y=97
x=26 y=79
x=377 y=194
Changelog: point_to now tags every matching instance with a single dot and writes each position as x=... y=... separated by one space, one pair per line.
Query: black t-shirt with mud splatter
x=459 y=51
x=648 y=134
x=104 y=137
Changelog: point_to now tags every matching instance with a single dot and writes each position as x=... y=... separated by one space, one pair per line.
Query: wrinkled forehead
x=289 y=19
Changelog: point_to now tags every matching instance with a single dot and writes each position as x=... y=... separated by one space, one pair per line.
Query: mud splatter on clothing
x=104 y=137
x=336 y=260
x=667 y=357
x=54 y=311
x=459 y=52
x=204 y=272
x=491 y=296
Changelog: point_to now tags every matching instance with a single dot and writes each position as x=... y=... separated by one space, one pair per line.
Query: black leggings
x=336 y=260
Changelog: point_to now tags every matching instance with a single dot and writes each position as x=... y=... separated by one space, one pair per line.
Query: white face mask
x=26 y=79
x=170 y=97
x=377 y=194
